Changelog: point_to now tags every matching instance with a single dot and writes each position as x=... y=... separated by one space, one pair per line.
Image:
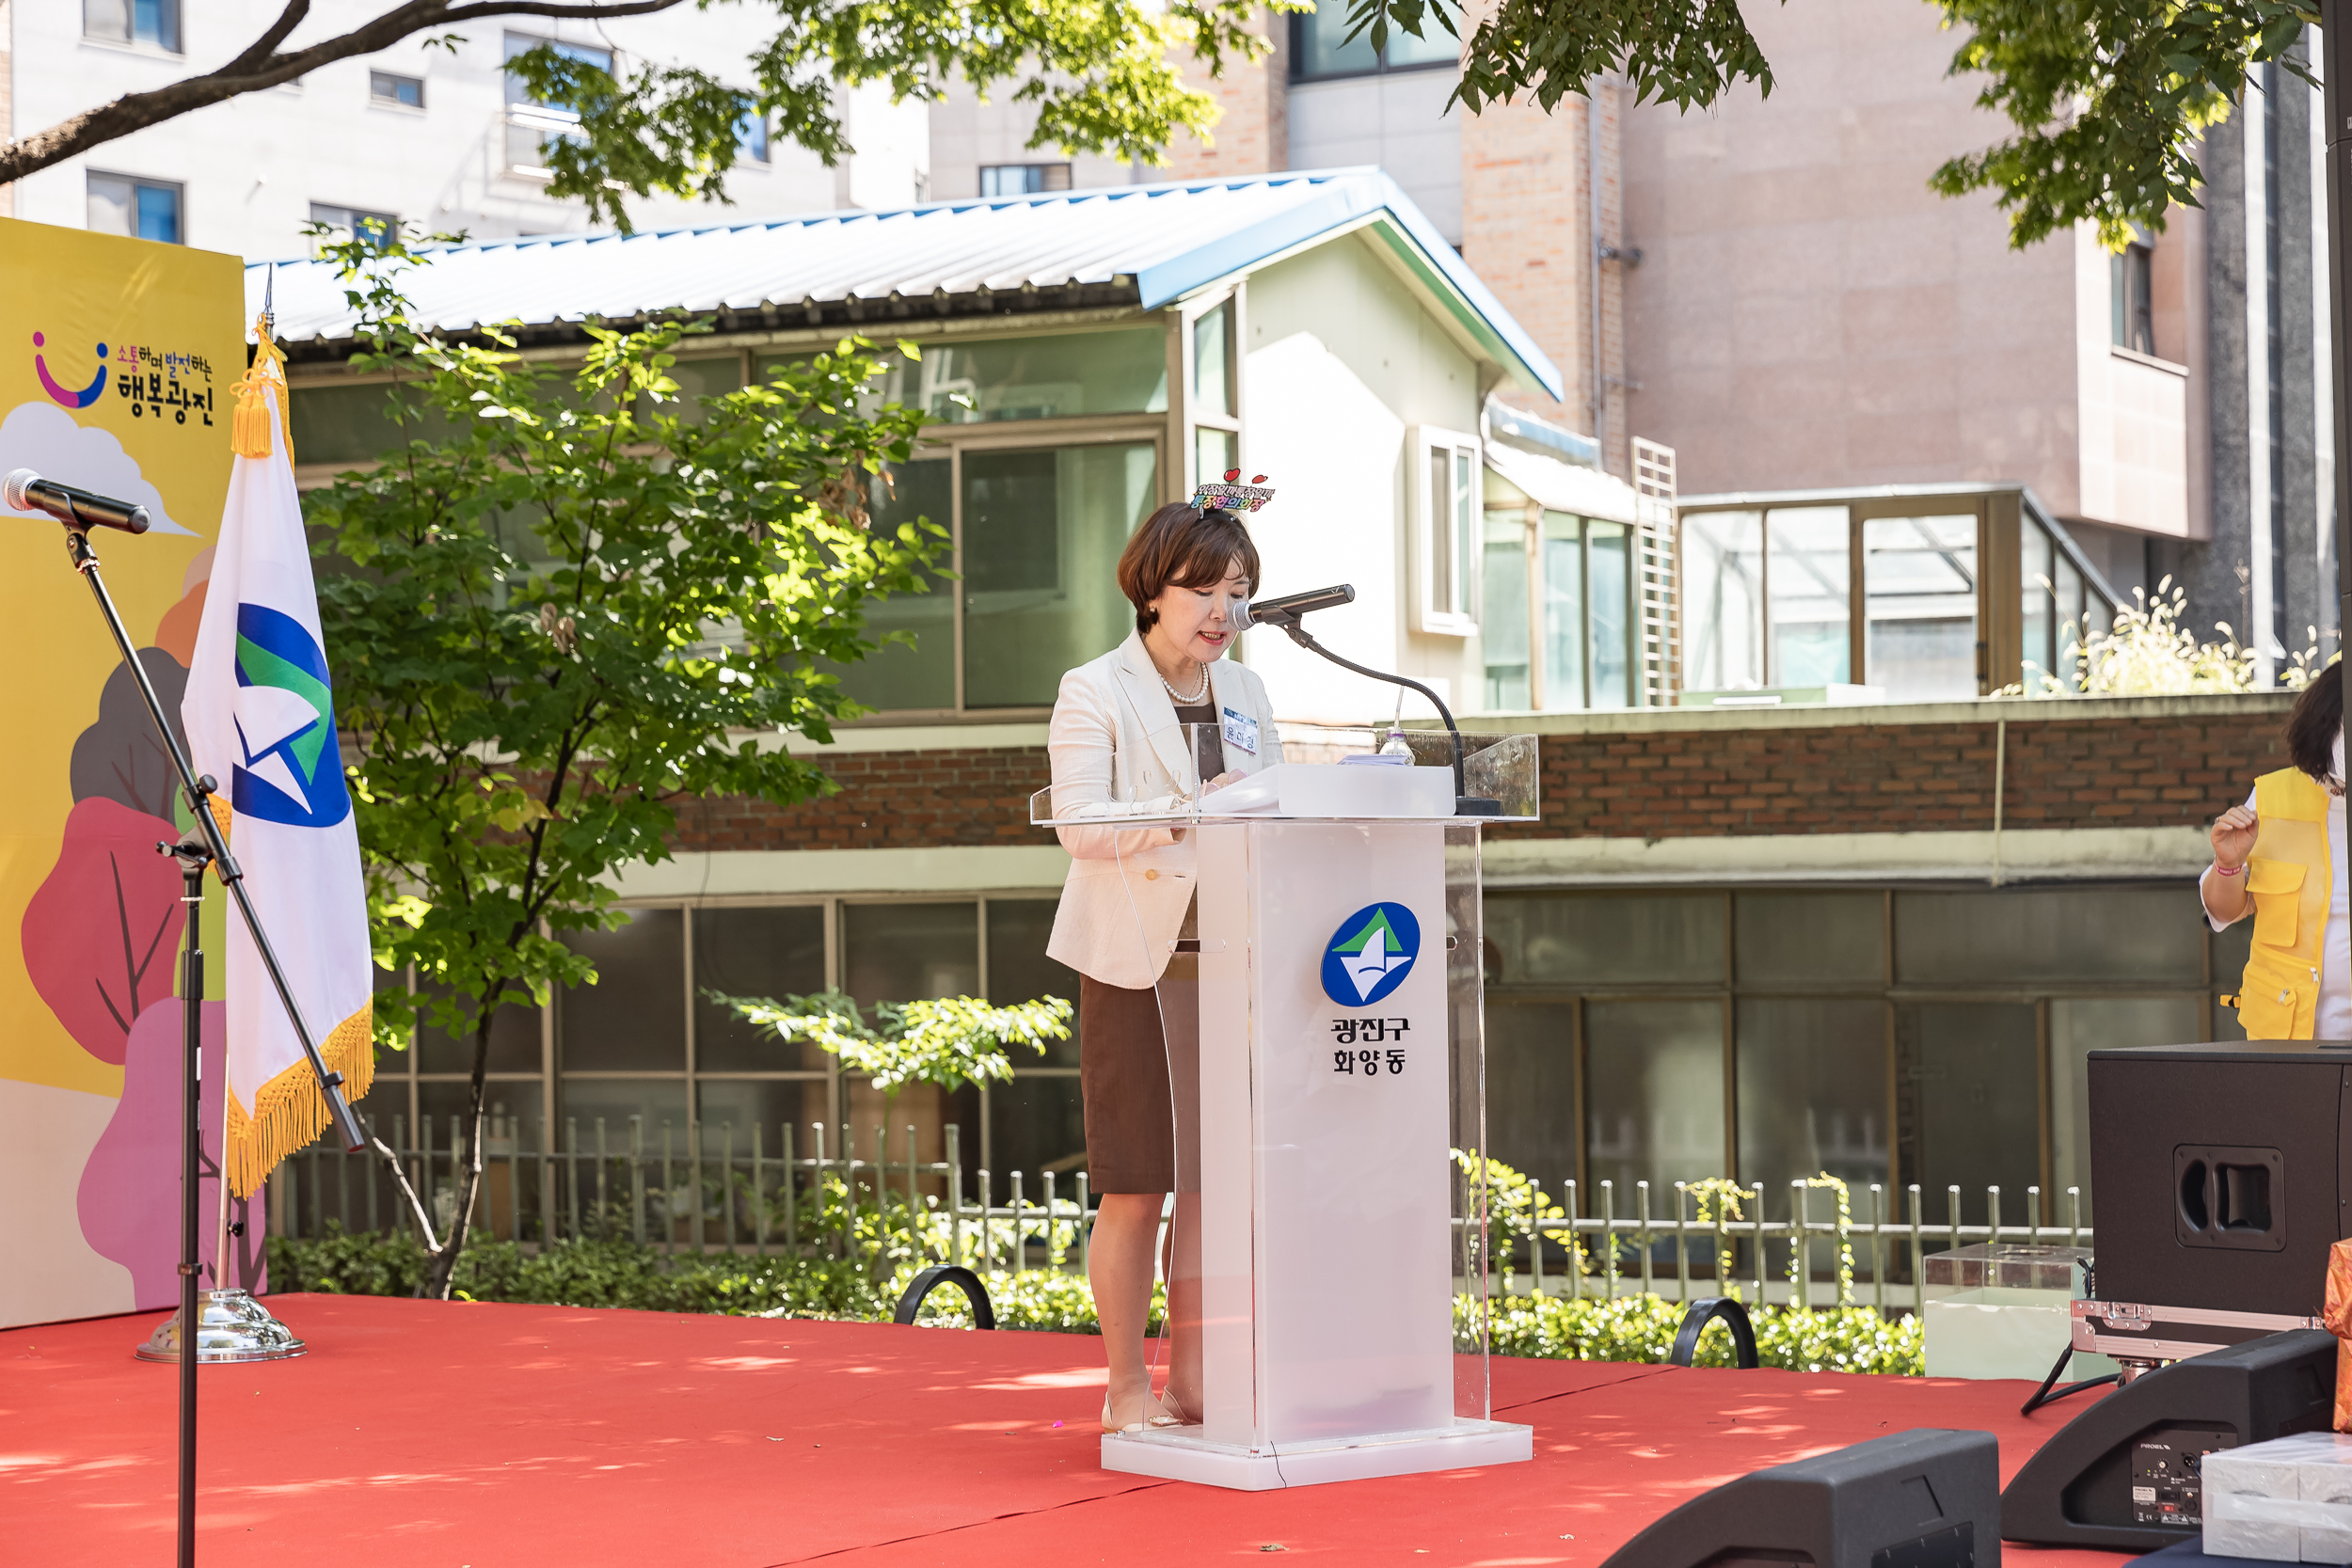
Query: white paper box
x=2289 y=1499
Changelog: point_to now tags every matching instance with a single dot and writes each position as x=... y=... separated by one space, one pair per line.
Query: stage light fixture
x=1925 y=1498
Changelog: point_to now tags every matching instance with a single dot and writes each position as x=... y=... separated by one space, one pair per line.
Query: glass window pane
x=1212 y=361
x=1439 y=519
x=657 y=1100
x=159 y=214
x=2036 y=651
x=1019 y=971
x=712 y=376
x=110 y=211
x=1970 y=1113
x=1563 y=611
x=1595 y=939
x=1035 y=1124
x=156 y=21
x=1919 y=577
x=769 y=1103
x=2078 y=1026
x=1531 y=1089
x=522 y=43
x=2049 y=934
x=1812 y=1093
x=1791 y=938
x=2069 y=610
x=1654 y=1098
x=1436 y=47
x=349 y=424
x=1320 y=46
x=1502 y=611
x=1463 y=520
x=1037 y=379
x=633 y=1019
x=514 y=1039
x=106 y=19
x=898 y=677
x=1610 y=567
x=1812 y=622
x=910 y=951
x=1041 y=535
x=1215 y=452
x=1722 y=603
x=770 y=953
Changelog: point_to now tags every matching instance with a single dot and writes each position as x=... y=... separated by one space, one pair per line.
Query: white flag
x=261 y=719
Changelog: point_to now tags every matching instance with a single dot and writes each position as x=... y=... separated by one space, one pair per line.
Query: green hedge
x=622 y=1274
x=1643 y=1328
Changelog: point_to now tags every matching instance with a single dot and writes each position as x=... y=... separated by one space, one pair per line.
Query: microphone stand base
x=230 y=1326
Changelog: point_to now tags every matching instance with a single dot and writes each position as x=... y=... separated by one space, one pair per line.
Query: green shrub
x=622 y=1274
x=1643 y=1328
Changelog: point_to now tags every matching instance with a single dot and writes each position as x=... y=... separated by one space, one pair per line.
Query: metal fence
x=699 y=1188
x=693 y=1188
x=1606 y=1238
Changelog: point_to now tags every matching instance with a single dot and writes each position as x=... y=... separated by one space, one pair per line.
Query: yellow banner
x=117 y=361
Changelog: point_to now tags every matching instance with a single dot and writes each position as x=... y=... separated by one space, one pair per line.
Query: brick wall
x=1673 y=779
x=1887 y=778
x=1252 y=133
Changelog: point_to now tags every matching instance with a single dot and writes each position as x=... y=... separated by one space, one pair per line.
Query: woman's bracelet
x=2227 y=870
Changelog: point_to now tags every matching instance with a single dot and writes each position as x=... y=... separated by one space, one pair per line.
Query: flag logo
x=293 y=770
x=1370 y=954
x=67 y=396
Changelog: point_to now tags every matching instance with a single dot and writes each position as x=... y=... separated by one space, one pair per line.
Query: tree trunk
x=442 y=1271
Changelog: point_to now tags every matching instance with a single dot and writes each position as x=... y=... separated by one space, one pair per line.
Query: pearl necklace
x=1196 y=698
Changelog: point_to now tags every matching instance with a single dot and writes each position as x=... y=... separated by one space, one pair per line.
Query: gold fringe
x=220 y=815
x=251 y=427
x=289 y=1111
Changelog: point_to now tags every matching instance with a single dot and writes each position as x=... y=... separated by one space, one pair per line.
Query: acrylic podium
x=1326 y=1251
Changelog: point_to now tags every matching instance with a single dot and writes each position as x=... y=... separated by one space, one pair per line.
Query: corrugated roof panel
x=1170 y=239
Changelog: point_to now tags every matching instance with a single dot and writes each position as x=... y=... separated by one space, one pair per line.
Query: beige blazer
x=1117 y=751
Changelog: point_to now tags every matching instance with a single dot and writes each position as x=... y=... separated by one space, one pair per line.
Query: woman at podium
x=1142 y=730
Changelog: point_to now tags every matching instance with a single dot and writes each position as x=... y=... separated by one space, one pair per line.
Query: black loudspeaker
x=2124 y=1474
x=1918 y=1499
x=2219 y=1173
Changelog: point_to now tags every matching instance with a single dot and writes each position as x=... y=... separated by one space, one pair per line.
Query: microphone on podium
x=26 y=491
x=1286 y=610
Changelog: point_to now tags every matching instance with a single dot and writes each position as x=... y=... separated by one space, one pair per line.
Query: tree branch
x=260 y=68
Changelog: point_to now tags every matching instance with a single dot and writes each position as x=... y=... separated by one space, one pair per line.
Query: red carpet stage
x=495 y=1436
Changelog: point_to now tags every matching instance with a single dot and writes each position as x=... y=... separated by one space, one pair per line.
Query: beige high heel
x=1169 y=1413
x=1115 y=1431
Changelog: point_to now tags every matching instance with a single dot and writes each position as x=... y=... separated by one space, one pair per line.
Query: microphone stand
x=1465 y=803
x=206 y=845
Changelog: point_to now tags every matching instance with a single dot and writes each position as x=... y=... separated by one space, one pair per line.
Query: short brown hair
x=1180 y=547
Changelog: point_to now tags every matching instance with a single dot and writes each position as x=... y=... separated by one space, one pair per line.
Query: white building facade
x=435 y=135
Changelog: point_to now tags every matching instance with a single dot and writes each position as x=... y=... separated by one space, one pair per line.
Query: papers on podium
x=1323 y=789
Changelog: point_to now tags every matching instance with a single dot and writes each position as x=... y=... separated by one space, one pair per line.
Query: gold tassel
x=289 y=1111
x=250 y=426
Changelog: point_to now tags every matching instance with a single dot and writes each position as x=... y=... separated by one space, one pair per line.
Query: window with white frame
x=152 y=23
x=1216 y=395
x=139 y=209
x=1446 y=508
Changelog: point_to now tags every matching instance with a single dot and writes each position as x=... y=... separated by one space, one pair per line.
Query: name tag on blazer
x=1241 y=731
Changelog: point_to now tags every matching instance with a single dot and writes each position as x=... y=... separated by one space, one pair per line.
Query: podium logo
x=1370 y=954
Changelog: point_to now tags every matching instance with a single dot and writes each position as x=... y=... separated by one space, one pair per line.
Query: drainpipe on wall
x=1599 y=253
x=2335 y=19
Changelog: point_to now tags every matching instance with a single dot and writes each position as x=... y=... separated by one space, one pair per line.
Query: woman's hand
x=2233 y=832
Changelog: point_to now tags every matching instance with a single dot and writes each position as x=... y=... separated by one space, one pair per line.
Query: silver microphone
x=26 y=491
x=1286 y=610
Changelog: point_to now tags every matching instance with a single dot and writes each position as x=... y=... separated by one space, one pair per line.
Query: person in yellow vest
x=2282 y=855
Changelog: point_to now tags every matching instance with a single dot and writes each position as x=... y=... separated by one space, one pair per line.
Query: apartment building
x=433 y=133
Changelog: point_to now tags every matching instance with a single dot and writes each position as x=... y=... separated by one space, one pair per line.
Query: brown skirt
x=1123 y=1072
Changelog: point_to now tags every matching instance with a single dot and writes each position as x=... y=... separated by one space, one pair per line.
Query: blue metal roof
x=1163 y=242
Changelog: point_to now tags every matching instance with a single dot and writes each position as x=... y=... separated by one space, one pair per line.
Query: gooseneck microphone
x=1286 y=610
x=26 y=491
